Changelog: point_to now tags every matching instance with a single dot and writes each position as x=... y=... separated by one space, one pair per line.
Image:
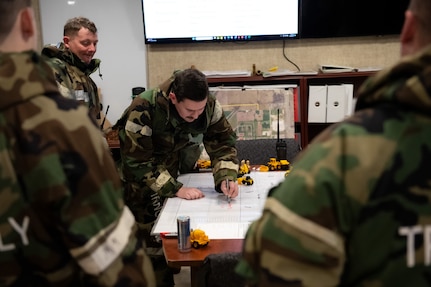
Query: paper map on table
x=213 y=214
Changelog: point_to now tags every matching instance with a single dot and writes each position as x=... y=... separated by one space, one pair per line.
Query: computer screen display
x=350 y=18
x=173 y=21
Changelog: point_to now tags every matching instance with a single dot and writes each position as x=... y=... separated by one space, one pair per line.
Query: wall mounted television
x=349 y=18
x=186 y=21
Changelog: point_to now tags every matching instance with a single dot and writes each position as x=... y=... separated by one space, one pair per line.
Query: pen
x=227 y=189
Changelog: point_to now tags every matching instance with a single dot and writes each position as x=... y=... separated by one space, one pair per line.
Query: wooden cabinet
x=307 y=130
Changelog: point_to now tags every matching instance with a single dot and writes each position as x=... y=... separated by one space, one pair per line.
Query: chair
x=259 y=151
x=218 y=270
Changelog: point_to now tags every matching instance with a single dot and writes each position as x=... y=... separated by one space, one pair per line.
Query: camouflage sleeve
x=77 y=207
x=300 y=238
x=296 y=240
x=75 y=84
x=64 y=82
x=220 y=141
x=137 y=154
x=98 y=228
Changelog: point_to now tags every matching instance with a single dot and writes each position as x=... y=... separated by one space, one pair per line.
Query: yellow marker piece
x=273 y=69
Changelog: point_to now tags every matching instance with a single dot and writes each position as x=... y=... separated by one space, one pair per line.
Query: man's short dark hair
x=190 y=84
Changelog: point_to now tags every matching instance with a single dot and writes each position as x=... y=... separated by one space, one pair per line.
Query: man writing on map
x=160 y=135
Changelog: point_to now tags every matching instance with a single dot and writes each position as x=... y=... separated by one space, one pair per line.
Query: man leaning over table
x=160 y=134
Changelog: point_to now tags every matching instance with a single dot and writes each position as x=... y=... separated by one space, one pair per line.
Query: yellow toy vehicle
x=203 y=163
x=244 y=168
x=274 y=164
x=198 y=238
x=284 y=164
x=247 y=180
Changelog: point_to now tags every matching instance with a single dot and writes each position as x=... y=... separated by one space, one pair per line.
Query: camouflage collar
x=23 y=76
x=167 y=107
x=407 y=84
x=64 y=54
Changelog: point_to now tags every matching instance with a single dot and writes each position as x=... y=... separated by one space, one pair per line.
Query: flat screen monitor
x=350 y=18
x=183 y=21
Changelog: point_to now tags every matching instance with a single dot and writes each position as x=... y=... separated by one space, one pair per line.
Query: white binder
x=336 y=105
x=317 y=104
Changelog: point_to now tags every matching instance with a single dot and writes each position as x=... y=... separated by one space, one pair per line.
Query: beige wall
x=35 y=4
x=162 y=59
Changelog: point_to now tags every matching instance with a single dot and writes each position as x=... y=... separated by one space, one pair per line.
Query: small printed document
x=287 y=73
x=212 y=213
x=336 y=69
x=223 y=74
x=369 y=69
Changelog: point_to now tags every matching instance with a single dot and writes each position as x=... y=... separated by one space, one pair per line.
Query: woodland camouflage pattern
x=73 y=76
x=62 y=218
x=152 y=134
x=356 y=208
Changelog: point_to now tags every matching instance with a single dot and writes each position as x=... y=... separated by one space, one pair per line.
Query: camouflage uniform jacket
x=356 y=208
x=62 y=218
x=73 y=76
x=152 y=133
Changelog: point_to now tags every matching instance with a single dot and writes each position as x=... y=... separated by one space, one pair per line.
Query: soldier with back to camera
x=63 y=221
x=355 y=210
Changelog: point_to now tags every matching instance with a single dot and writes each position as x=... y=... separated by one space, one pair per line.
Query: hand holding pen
x=230 y=189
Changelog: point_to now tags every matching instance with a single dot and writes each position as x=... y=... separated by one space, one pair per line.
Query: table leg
x=194 y=275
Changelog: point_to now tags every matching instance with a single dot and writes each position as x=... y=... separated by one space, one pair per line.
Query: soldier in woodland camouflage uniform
x=63 y=221
x=356 y=209
x=157 y=138
x=73 y=63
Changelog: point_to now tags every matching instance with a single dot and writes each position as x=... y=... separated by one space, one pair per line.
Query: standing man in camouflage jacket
x=356 y=209
x=158 y=134
x=73 y=63
x=63 y=221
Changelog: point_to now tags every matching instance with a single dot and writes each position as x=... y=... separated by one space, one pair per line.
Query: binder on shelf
x=340 y=102
x=317 y=104
x=336 y=104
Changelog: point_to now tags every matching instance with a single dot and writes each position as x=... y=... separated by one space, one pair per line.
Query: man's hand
x=230 y=188
x=189 y=193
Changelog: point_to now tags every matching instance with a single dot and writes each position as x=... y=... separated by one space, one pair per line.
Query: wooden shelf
x=307 y=131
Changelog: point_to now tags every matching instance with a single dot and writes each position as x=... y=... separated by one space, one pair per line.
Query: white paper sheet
x=213 y=214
